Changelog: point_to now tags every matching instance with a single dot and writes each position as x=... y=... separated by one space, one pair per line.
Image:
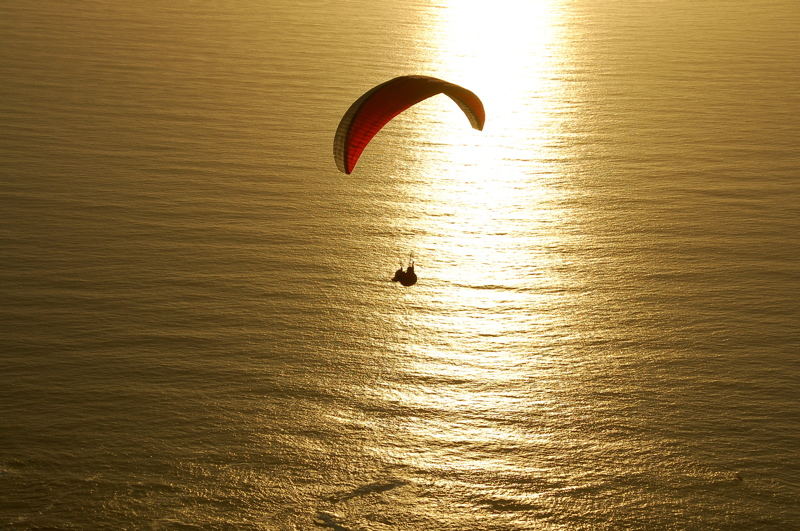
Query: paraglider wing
x=369 y=113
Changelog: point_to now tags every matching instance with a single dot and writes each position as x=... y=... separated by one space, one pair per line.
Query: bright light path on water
x=491 y=220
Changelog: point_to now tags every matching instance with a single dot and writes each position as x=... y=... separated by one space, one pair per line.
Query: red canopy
x=369 y=113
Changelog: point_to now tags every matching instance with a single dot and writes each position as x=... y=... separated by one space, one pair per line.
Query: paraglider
x=407 y=277
x=376 y=107
x=369 y=113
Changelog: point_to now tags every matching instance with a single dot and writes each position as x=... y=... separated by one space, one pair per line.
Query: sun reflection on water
x=491 y=206
x=490 y=219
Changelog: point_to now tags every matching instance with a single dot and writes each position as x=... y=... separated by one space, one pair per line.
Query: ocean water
x=197 y=328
